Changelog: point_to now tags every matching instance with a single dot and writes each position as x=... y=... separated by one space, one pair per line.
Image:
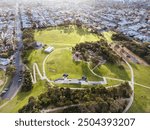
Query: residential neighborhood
x=7 y=36
x=128 y=19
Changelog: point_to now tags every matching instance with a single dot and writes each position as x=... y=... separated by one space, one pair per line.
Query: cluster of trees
x=88 y=100
x=120 y=37
x=27 y=81
x=28 y=38
x=10 y=70
x=95 y=52
x=142 y=50
x=7 y=53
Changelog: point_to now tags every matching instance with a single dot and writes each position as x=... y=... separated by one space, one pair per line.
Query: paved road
x=14 y=85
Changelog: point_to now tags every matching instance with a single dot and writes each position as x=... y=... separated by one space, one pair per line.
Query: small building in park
x=49 y=49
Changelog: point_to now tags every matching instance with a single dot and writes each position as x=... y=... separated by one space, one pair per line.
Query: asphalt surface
x=14 y=84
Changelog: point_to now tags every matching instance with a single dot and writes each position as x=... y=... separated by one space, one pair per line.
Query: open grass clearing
x=64 y=35
x=113 y=71
x=141 y=101
x=61 y=62
x=141 y=74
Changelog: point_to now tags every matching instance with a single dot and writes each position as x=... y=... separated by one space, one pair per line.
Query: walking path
x=36 y=68
x=132 y=87
x=58 y=108
x=131 y=83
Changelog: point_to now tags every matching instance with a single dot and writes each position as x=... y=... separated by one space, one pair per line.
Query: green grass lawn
x=69 y=36
x=112 y=83
x=22 y=98
x=113 y=71
x=142 y=95
x=60 y=61
x=141 y=101
x=36 y=56
x=58 y=37
x=142 y=74
x=108 y=36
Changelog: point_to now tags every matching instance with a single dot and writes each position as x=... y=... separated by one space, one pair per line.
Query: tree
x=27 y=83
x=30 y=107
x=10 y=70
x=67 y=93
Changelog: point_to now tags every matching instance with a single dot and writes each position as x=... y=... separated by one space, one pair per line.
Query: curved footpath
x=36 y=68
x=132 y=87
x=130 y=82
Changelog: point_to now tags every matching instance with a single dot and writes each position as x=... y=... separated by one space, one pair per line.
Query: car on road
x=19 y=80
x=6 y=89
x=3 y=92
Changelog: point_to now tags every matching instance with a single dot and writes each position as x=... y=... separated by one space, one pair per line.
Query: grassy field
x=58 y=37
x=142 y=74
x=142 y=95
x=60 y=61
x=64 y=36
x=108 y=36
x=142 y=100
x=113 y=71
x=22 y=98
x=36 y=56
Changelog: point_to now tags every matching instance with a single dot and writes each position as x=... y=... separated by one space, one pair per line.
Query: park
x=47 y=67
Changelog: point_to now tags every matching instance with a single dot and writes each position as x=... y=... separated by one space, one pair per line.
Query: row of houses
x=7 y=35
x=7 y=25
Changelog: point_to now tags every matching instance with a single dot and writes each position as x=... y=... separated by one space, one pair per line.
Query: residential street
x=14 y=85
